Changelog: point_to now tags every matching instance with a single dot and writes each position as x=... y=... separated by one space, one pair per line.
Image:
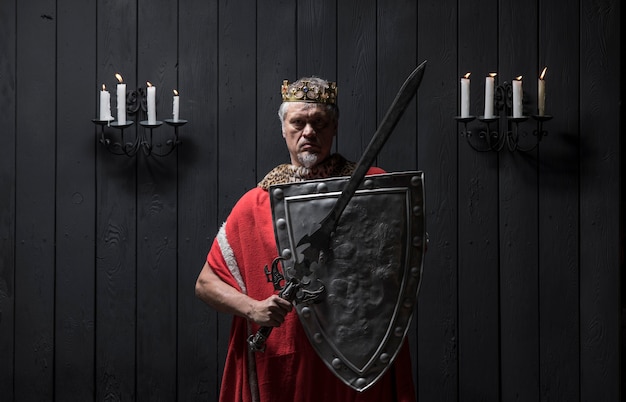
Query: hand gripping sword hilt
x=256 y=342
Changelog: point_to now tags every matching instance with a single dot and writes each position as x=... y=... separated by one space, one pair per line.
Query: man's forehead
x=304 y=108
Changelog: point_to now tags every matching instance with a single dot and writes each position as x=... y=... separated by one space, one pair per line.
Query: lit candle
x=541 y=93
x=105 y=105
x=151 y=104
x=465 y=95
x=175 y=106
x=121 y=100
x=517 y=97
x=489 y=89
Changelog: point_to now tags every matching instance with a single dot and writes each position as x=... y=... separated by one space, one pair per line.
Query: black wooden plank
x=518 y=215
x=75 y=203
x=157 y=209
x=437 y=149
x=599 y=197
x=7 y=201
x=559 y=209
x=396 y=48
x=396 y=57
x=198 y=363
x=276 y=61
x=316 y=37
x=478 y=287
x=316 y=44
x=116 y=216
x=236 y=118
x=356 y=74
x=35 y=192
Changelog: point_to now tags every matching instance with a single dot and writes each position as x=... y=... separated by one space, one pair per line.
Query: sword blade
x=319 y=239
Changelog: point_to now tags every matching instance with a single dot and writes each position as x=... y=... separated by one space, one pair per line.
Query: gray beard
x=307 y=159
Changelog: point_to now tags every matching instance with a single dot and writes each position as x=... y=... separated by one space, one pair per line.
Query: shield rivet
x=398 y=331
x=281 y=224
x=286 y=253
x=415 y=271
x=408 y=302
x=417 y=241
x=369 y=184
x=360 y=382
x=415 y=181
x=384 y=358
x=278 y=194
x=306 y=312
x=318 y=337
x=322 y=188
x=417 y=210
x=337 y=364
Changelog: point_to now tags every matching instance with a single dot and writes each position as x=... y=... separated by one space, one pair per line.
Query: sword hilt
x=256 y=342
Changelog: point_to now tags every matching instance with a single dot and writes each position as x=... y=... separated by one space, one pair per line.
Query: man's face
x=308 y=130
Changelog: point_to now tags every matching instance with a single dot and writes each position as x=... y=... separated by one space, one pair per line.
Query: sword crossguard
x=274 y=276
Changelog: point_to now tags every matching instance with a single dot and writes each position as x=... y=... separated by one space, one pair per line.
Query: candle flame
x=103 y=87
x=148 y=84
x=175 y=92
x=119 y=78
x=519 y=78
x=466 y=75
x=543 y=73
x=492 y=75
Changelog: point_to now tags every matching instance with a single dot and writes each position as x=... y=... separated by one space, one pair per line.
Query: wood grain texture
x=558 y=183
x=8 y=71
x=35 y=200
x=478 y=251
x=599 y=189
x=116 y=218
x=276 y=44
x=356 y=72
x=316 y=39
x=518 y=212
x=237 y=138
x=437 y=310
x=75 y=203
x=395 y=59
x=157 y=49
x=198 y=364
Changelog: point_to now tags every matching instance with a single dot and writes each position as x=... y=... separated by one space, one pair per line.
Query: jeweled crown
x=309 y=91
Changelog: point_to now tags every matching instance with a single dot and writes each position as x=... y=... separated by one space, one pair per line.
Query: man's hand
x=270 y=312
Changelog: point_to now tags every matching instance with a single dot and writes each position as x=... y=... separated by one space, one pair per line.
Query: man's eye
x=319 y=124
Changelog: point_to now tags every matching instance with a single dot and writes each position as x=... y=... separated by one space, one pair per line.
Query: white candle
x=175 y=106
x=541 y=93
x=489 y=90
x=105 y=105
x=151 y=104
x=465 y=95
x=517 y=97
x=121 y=100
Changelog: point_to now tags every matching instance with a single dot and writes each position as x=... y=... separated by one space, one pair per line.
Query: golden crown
x=309 y=91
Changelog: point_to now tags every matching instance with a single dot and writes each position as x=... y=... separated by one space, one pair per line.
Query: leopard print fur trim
x=335 y=165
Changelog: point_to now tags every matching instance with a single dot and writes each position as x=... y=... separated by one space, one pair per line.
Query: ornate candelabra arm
x=540 y=119
x=494 y=140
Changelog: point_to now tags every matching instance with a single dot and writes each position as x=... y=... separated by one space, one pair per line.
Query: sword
x=318 y=241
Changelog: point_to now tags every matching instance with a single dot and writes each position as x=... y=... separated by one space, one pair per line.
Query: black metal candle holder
x=143 y=140
x=494 y=139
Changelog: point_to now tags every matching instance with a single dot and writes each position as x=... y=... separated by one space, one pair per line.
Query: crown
x=309 y=91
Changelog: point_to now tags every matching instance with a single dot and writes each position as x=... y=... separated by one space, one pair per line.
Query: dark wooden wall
x=520 y=298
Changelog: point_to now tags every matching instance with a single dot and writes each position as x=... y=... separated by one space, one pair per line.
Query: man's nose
x=308 y=130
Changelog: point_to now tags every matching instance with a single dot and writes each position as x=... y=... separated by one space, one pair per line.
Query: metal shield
x=357 y=299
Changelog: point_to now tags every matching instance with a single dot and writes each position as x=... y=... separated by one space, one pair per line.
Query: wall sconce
x=491 y=136
x=136 y=102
